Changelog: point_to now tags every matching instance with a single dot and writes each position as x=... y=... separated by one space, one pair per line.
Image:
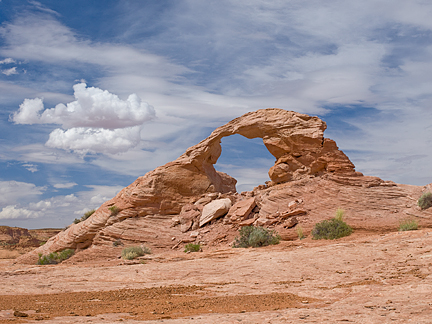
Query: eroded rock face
x=17 y=237
x=295 y=140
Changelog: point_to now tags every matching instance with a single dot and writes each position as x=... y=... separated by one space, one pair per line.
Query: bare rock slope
x=309 y=180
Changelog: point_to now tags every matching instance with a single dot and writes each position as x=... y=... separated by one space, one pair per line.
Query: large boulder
x=214 y=210
x=241 y=210
x=188 y=216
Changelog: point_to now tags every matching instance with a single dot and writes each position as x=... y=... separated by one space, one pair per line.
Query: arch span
x=295 y=140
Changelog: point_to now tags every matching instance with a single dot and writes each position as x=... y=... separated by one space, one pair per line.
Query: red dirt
x=364 y=278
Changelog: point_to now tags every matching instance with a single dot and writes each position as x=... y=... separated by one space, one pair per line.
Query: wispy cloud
x=7 y=60
x=60 y=210
x=10 y=71
x=39 y=6
x=65 y=185
x=12 y=192
x=31 y=167
x=39 y=153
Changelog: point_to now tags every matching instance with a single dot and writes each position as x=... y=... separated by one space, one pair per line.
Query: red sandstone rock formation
x=310 y=177
x=16 y=237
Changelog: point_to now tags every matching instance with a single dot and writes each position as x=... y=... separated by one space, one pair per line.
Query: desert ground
x=375 y=275
x=364 y=278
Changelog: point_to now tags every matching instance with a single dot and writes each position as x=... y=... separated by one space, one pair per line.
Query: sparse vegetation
x=55 y=257
x=84 y=217
x=300 y=233
x=408 y=225
x=133 y=252
x=340 y=214
x=425 y=200
x=117 y=242
x=114 y=210
x=332 y=228
x=255 y=237
x=191 y=247
x=87 y=214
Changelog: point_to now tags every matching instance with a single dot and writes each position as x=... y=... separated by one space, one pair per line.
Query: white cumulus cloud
x=13 y=212
x=28 y=112
x=95 y=140
x=93 y=107
x=96 y=122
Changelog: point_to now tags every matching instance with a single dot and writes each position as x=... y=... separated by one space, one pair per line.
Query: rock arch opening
x=246 y=160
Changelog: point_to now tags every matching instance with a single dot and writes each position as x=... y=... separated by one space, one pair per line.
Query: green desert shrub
x=114 y=210
x=84 y=217
x=87 y=214
x=191 y=247
x=331 y=229
x=255 y=237
x=55 y=257
x=133 y=252
x=408 y=225
x=425 y=200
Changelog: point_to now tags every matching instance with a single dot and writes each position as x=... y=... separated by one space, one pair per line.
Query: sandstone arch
x=295 y=140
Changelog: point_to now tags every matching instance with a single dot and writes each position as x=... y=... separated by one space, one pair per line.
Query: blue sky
x=94 y=94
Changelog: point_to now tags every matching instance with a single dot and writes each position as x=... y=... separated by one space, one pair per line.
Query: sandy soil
x=364 y=278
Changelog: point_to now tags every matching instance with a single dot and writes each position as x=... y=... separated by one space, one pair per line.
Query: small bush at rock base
x=55 y=257
x=408 y=225
x=425 y=200
x=133 y=252
x=300 y=233
x=331 y=229
x=191 y=247
x=255 y=237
